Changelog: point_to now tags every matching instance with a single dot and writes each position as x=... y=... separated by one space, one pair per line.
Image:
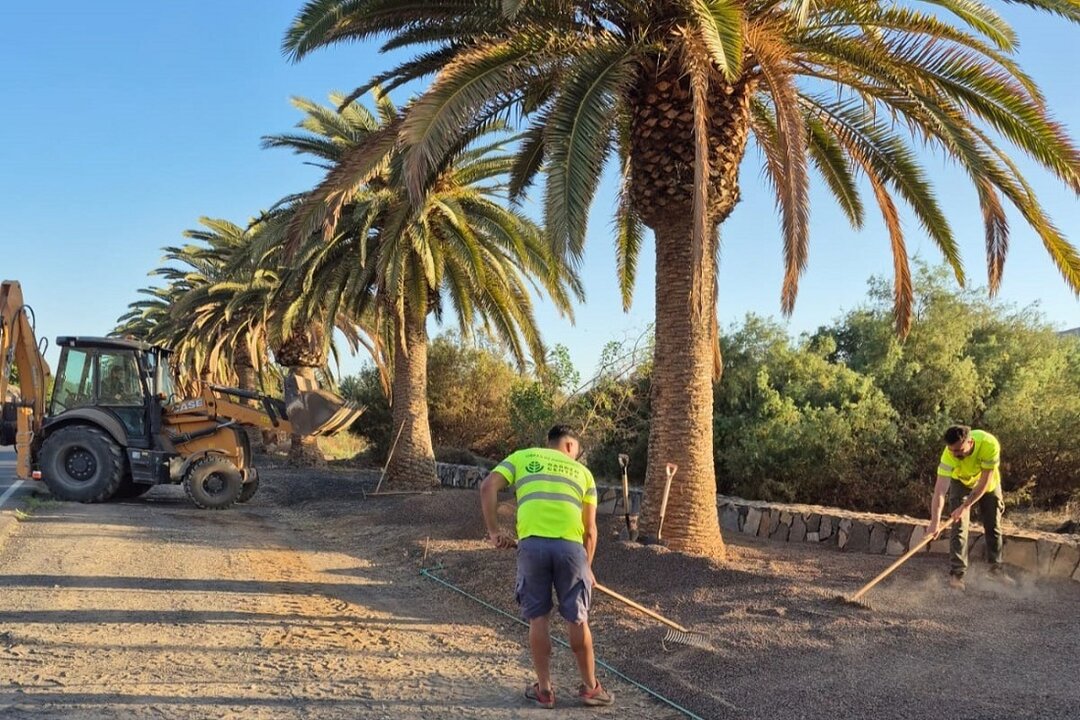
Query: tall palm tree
x=360 y=240
x=300 y=335
x=220 y=313
x=213 y=338
x=674 y=90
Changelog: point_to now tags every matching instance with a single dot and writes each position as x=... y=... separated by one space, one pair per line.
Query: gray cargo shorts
x=546 y=562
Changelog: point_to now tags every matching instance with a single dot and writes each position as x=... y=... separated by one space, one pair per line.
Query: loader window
x=74 y=383
x=120 y=383
x=121 y=391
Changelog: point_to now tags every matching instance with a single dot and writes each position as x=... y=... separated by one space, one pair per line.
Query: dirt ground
x=308 y=603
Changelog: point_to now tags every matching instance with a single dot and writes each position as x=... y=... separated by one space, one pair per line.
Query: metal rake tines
x=687 y=637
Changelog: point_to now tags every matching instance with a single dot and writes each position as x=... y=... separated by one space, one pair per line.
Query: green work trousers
x=990 y=507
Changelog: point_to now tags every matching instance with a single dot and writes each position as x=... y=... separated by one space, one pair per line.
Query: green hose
x=426 y=572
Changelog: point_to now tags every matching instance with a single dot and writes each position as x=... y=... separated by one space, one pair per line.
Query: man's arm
x=588 y=519
x=489 y=504
x=937 y=503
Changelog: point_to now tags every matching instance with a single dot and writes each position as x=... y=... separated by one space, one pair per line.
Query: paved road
x=11 y=489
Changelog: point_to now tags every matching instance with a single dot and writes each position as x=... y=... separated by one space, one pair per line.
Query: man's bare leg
x=540 y=645
x=581 y=644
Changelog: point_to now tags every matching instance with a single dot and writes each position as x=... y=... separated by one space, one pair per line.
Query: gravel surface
x=308 y=603
x=782 y=645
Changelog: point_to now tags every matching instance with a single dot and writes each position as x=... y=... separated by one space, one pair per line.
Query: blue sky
x=124 y=122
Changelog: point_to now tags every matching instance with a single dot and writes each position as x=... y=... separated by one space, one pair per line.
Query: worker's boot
x=956 y=582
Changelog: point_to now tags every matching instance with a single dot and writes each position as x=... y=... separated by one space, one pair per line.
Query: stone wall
x=1038 y=552
x=460 y=476
x=1042 y=553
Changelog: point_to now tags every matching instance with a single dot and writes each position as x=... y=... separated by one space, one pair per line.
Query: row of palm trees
x=367 y=263
x=673 y=91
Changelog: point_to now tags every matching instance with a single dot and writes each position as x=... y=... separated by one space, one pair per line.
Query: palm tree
x=361 y=241
x=674 y=90
x=214 y=339
x=219 y=312
x=250 y=304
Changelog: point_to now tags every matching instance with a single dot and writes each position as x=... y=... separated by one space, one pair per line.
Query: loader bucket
x=312 y=411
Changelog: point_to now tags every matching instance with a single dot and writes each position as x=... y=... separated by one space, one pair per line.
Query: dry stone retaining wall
x=1038 y=552
x=460 y=476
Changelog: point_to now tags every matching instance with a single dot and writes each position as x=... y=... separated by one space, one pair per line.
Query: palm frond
x=579 y=134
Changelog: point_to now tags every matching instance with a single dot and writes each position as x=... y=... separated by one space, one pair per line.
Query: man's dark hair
x=558 y=432
x=957 y=433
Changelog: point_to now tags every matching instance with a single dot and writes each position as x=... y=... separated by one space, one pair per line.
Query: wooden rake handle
x=900 y=561
x=627 y=601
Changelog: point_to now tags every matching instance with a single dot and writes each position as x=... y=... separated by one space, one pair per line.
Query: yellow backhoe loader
x=114 y=427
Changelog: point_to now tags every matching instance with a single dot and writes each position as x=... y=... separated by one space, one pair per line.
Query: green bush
x=848 y=416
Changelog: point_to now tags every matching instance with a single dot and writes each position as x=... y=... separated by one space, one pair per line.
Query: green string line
x=428 y=574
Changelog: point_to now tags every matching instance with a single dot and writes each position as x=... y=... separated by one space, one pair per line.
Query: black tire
x=82 y=463
x=129 y=489
x=213 y=483
x=250 y=488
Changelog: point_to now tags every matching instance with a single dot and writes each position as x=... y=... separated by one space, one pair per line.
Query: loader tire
x=82 y=463
x=249 y=490
x=213 y=483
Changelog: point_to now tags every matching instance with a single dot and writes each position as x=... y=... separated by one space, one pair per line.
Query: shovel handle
x=900 y=561
x=640 y=608
x=669 y=470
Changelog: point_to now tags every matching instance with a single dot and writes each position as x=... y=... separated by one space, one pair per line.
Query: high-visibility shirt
x=985 y=456
x=551 y=489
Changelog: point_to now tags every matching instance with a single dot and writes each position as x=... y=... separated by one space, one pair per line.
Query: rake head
x=686 y=637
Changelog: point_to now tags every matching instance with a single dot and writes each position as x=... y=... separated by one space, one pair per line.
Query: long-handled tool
x=389 y=457
x=669 y=470
x=631 y=532
x=676 y=633
x=854 y=599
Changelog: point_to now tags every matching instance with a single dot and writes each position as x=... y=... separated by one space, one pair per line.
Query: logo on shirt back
x=535 y=466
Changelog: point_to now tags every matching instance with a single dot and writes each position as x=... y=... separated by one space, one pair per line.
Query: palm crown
x=361 y=246
x=672 y=88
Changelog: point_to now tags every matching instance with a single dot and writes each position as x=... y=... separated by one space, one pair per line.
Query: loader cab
x=124 y=379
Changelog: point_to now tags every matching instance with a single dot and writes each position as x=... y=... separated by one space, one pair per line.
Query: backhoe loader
x=113 y=426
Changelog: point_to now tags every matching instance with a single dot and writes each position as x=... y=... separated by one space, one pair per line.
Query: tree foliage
x=846 y=416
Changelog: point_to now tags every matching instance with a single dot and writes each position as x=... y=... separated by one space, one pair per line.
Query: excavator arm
x=308 y=411
x=22 y=414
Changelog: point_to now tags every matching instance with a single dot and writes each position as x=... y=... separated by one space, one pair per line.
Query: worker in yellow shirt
x=969 y=475
x=556 y=540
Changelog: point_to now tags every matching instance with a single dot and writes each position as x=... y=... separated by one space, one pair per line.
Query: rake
x=856 y=601
x=676 y=633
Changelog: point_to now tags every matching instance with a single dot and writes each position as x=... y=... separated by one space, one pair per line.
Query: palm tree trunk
x=681 y=430
x=412 y=463
x=304 y=450
x=247 y=380
x=663 y=184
